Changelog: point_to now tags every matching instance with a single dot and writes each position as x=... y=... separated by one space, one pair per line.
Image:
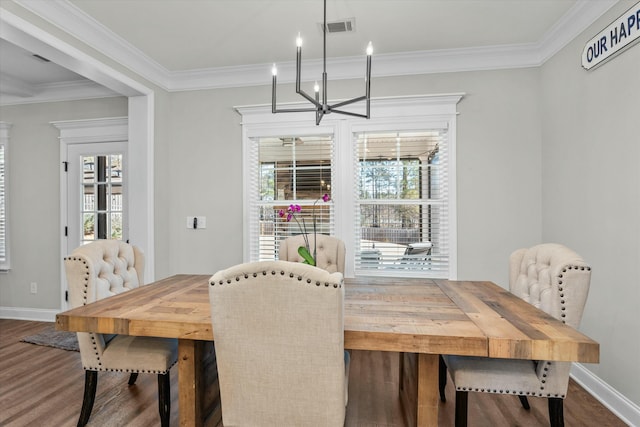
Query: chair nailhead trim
x=519 y=393
x=282 y=273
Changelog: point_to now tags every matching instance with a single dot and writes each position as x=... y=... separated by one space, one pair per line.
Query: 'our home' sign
x=620 y=34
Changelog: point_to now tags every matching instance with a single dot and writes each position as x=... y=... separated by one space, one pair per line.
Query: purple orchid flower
x=290 y=214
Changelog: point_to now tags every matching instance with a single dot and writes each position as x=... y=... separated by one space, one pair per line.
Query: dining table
x=419 y=318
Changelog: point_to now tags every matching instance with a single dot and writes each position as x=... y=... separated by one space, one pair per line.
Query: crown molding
x=66 y=16
x=62 y=91
x=570 y=25
x=74 y=21
x=93 y=130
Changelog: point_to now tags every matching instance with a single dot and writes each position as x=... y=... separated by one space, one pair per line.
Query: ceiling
x=174 y=39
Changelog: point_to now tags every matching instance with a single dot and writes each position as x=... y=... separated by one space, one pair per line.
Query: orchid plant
x=289 y=214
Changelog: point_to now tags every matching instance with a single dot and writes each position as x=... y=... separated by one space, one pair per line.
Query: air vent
x=343 y=26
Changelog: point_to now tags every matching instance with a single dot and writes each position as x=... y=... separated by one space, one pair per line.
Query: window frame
x=411 y=113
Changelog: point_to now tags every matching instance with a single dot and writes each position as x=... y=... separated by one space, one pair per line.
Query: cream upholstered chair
x=556 y=280
x=99 y=270
x=279 y=340
x=330 y=251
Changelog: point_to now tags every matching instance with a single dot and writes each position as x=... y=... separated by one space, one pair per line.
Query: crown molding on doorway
x=66 y=16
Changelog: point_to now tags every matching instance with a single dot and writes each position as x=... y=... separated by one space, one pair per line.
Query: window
x=288 y=170
x=391 y=180
x=4 y=241
x=401 y=202
x=101 y=206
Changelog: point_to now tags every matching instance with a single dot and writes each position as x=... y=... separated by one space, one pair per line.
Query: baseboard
x=22 y=313
x=617 y=403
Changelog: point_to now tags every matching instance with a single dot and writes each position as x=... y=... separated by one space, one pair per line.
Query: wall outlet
x=194 y=222
x=34 y=288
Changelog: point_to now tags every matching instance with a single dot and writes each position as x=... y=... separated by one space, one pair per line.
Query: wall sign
x=620 y=34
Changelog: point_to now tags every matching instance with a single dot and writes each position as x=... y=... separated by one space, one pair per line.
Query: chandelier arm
x=309 y=98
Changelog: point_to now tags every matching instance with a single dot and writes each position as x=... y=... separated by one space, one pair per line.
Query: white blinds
x=288 y=170
x=401 y=207
x=3 y=210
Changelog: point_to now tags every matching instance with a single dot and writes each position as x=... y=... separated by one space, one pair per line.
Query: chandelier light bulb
x=299 y=41
x=369 y=49
x=274 y=70
x=316 y=87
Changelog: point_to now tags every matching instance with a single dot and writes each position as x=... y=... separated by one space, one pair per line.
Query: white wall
x=591 y=192
x=498 y=168
x=34 y=196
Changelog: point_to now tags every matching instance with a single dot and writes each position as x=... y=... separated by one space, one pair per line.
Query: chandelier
x=322 y=108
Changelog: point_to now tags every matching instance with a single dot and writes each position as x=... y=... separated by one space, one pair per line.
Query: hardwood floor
x=42 y=386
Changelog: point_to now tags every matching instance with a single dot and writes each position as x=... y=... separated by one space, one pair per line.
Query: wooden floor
x=42 y=386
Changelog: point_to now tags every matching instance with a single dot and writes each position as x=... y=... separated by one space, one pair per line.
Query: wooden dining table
x=419 y=318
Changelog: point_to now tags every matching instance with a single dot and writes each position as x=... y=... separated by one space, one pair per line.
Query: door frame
x=79 y=132
x=74 y=175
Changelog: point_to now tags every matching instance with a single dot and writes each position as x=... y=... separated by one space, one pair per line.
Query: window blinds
x=401 y=208
x=289 y=170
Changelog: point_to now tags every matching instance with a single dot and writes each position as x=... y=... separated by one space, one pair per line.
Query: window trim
x=398 y=113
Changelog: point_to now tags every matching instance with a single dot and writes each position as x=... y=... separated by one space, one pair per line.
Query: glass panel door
x=96 y=189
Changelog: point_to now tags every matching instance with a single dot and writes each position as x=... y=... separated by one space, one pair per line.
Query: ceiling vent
x=343 y=26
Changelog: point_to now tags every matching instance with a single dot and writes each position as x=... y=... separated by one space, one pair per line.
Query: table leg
x=427 y=390
x=189 y=386
x=419 y=389
x=198 y=387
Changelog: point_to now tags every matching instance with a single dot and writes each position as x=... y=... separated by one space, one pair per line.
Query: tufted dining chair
x=279 y=340
x=330 y=251
x=99 y=270
x=556 y=280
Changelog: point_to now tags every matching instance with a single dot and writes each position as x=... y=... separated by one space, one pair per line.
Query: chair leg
x=461 y=408
x=132 y=378
x=525 y=402
x=164 y=398
x=556 y=412
x=442 y=379
x=90 y=385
